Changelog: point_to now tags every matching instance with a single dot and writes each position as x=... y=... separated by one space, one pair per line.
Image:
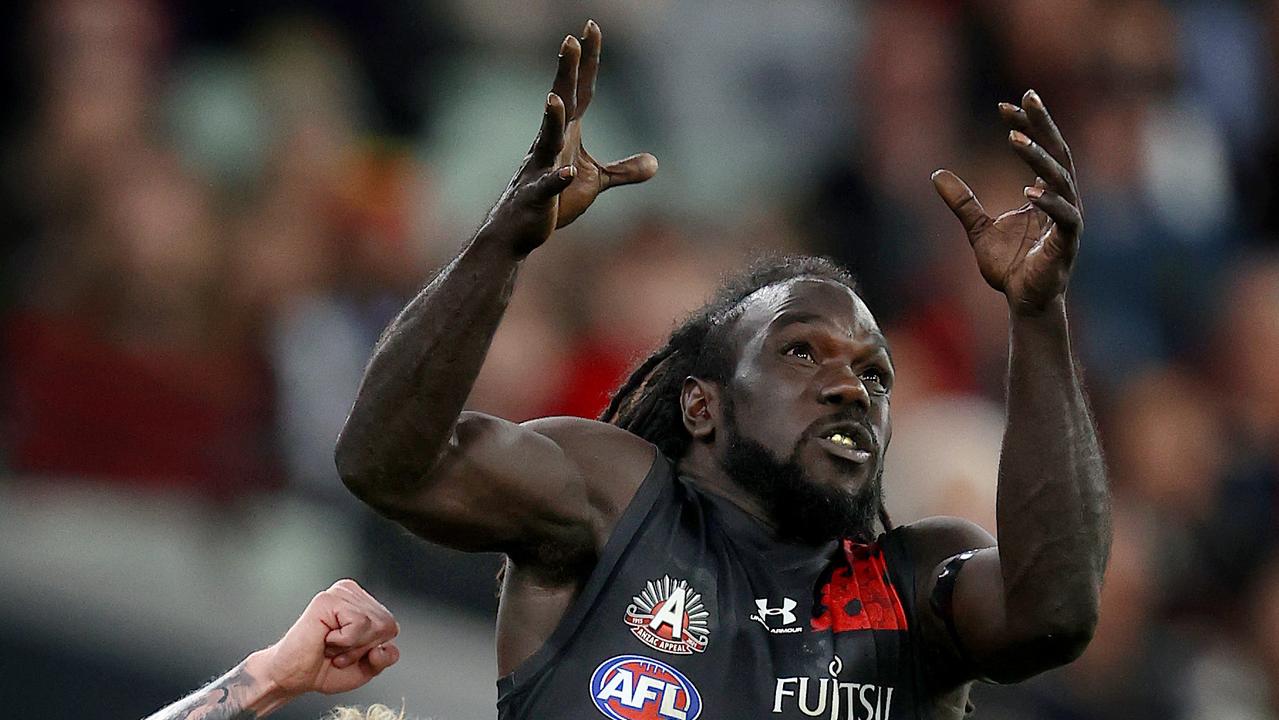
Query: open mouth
x=849 y=443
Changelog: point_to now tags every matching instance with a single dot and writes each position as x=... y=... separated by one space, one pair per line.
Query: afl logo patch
x=669 y=616
x=633 y=687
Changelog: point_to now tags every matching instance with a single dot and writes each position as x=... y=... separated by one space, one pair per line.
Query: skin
x=548 y=492
x=343 y=639
x=811 y=355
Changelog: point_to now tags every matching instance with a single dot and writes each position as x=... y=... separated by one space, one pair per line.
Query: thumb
x=628 y=171
x=961 y=201
x=381 y=657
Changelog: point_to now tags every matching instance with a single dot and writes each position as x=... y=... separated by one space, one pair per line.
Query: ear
x=699 y=408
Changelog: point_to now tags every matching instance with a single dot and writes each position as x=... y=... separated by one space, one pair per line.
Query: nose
x=842 y=387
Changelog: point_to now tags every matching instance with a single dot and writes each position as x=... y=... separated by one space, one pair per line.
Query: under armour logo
x=785 y=610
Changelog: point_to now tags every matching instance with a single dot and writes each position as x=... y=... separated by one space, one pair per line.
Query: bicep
x=967 y=622
x=504 y=486
x=967 y=595
x=960 y=591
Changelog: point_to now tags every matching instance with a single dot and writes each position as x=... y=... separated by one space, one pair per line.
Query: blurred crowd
x=213 y=213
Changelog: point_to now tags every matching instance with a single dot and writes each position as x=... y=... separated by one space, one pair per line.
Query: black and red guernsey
x=695 y=610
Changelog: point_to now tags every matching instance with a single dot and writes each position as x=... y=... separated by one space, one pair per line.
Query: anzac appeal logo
x=633 y=687
x=669 y=616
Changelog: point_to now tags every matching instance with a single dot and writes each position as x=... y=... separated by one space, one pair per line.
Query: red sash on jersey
x=859 y=594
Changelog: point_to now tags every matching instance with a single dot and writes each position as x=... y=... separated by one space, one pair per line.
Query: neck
x=703 y=468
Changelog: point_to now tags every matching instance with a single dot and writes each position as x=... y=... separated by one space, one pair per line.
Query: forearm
x=1053 y=505
x=244 y=693
x=423 y=369
x=425 y=364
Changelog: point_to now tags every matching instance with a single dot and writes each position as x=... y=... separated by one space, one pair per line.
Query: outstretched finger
x=1044 y=165
x=566 y=75
x=961 y=200
x=1044 y=130
x=628 y=171
x=1015 y=117
x=550 y=138
x=592 y=40
x=1063 y=239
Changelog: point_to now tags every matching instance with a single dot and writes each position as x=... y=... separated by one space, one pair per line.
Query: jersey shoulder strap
x=655 y=493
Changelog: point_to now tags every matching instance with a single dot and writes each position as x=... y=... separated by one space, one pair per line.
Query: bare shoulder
x=612 y=462
x=548 y=488
x=933 y=539
x=931 y=543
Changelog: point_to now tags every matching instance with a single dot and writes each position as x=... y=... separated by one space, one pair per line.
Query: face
x=805 y=413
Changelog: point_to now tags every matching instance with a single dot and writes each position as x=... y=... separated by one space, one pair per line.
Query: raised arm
x=1031 y=604
x=463 y=479
x=343 y=639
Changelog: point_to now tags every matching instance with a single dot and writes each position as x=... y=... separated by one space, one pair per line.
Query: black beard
x=802 y=508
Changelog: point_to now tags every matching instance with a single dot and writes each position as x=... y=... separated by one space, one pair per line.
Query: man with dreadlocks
x=709 y=547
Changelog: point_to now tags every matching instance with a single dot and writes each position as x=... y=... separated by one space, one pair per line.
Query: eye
x=876 y=381
x=801 y=350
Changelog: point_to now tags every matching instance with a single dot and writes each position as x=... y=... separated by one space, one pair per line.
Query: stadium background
x=213 y=208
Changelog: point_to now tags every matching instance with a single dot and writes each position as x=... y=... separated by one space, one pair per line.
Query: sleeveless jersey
x=695 y=610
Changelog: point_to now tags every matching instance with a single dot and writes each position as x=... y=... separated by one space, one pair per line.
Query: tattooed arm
x=243 y=693
x=341 y=641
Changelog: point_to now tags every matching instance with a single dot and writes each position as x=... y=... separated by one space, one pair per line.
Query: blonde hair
x=376 y=711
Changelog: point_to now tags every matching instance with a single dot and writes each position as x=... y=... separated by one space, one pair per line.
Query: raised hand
x=341 y=641
x=558 y=179
x=1026 y=253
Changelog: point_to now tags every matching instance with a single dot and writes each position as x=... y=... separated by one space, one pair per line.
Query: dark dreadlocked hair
x=648 y=404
